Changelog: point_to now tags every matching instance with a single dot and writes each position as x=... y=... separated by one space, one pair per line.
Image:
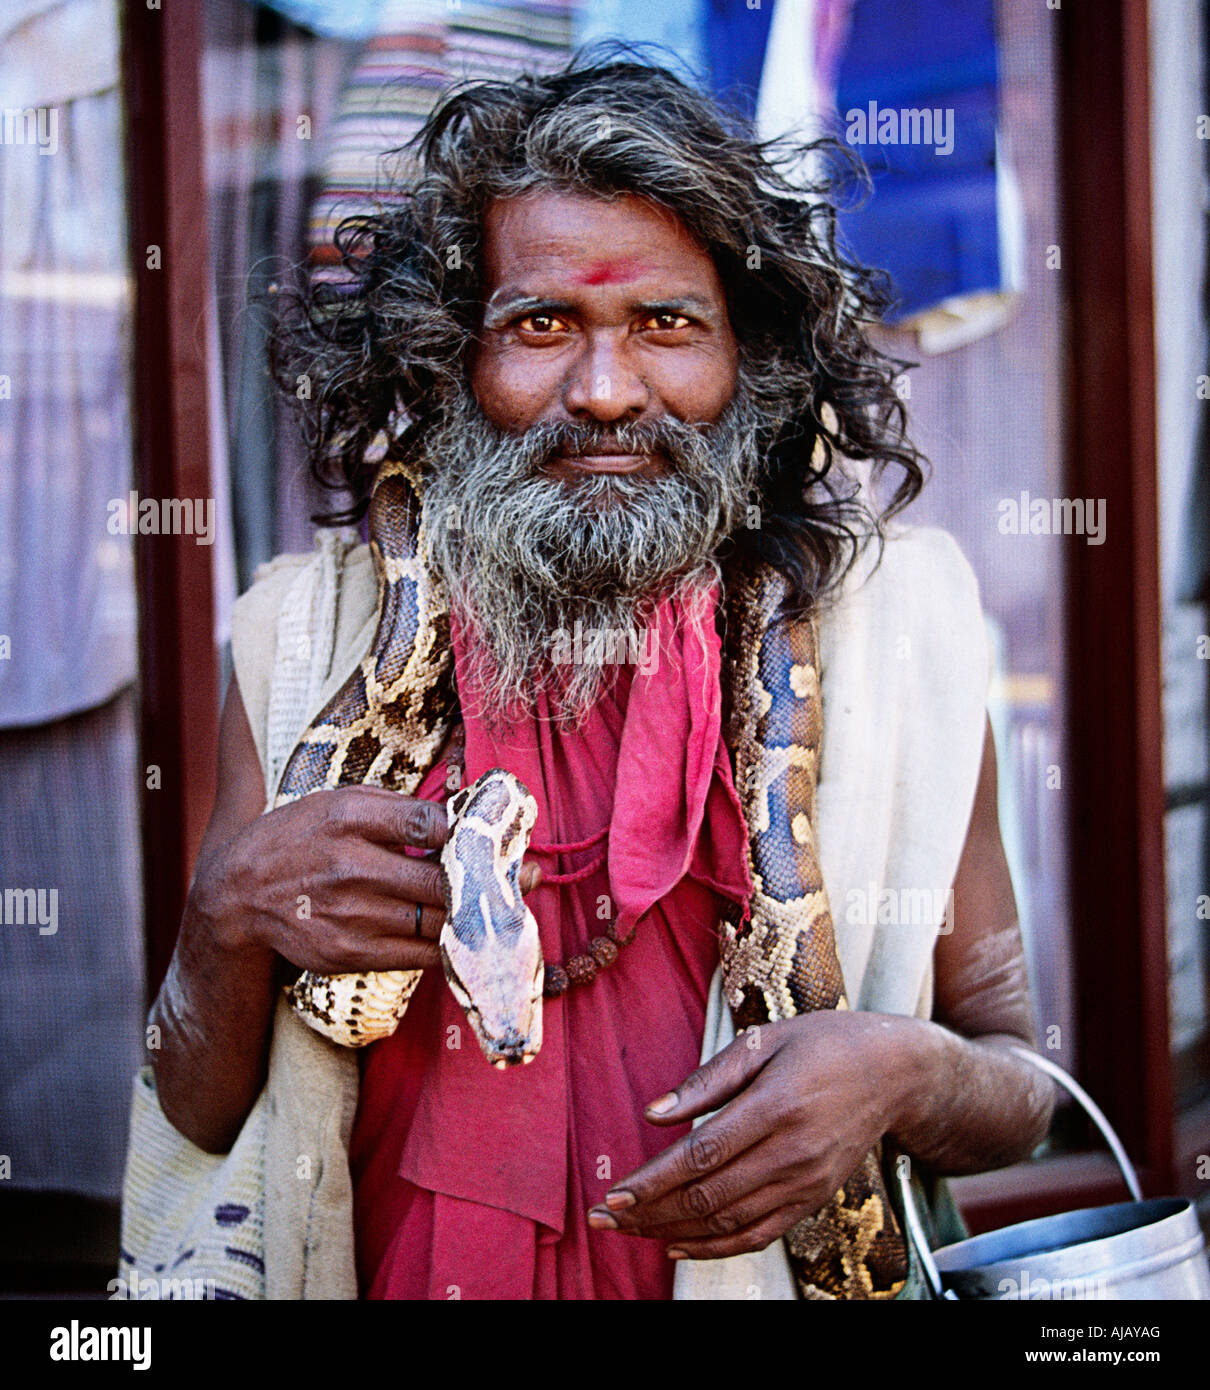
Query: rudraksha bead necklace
x=583 y=969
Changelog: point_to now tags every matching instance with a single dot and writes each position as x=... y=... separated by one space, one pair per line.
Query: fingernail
x=602 y=1221
x=675 y=1254
x=664 y=1104
x=529 y=877
x=619 y=1201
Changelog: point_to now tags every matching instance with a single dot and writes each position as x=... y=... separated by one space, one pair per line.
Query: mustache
x=547 y=440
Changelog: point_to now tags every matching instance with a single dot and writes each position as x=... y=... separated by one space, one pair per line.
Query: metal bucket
x=1133 y=1250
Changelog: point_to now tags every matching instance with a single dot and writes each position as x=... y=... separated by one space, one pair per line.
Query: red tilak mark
x=611 y=272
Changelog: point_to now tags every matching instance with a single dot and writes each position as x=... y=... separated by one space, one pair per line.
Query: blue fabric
x=735 y=41
x=905 y=50
x=936 y=236
x=932 y=220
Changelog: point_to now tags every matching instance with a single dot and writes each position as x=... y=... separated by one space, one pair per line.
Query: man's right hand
x=326 y=884
x=323 y=883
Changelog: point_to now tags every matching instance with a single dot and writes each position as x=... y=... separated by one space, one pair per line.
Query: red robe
x=475 y=1183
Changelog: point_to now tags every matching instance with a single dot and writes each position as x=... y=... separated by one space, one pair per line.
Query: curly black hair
x=382 y=345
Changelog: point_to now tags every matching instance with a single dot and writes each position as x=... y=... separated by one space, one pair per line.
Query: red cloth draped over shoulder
x=475 y=1183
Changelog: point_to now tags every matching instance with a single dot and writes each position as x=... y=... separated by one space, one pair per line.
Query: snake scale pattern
x=385 y=727
x=783 y=962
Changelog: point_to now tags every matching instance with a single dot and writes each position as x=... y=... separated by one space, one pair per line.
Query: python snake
x=783 y=961
x=385 y=727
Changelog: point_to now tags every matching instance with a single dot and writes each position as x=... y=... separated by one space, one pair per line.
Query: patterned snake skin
x=784 y=961
x=385 y=728
x=490 y=947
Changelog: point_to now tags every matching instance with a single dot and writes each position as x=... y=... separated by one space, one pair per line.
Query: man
x=624 y=354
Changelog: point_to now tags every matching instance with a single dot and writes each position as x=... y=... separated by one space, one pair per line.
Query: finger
x=379 y=889
x=385 y=918
x=744 y=1213
x=401 y=953
x=528 y=879
x=411 y=880
x=385 y=878
x=706 y=1149
x=752 y=1238
x=715 y=1082
x=727 y=1223
x=398 y=913
x=432 y=919
x=386 y=817
x=708 y=1205
x=364 y=955
x=379 y=915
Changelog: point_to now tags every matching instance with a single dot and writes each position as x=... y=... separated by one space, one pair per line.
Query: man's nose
x=603 y=383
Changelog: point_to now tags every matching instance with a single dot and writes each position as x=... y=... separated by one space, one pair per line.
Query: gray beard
x=532 y=563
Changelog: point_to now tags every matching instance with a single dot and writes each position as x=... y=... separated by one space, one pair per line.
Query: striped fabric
x=421 y=48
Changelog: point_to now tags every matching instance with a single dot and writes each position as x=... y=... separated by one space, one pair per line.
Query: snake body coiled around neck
x=385 y=726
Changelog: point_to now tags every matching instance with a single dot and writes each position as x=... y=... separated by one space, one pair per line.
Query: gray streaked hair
x=384 y=344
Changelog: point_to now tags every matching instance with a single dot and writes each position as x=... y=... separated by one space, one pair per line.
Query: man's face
x=599 y=313
x=607 y=444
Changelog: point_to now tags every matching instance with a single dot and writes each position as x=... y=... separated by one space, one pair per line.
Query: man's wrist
x=210 y=918
x=925 y=1066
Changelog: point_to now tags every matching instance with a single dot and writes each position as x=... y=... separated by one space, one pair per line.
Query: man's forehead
x=547 y=243
x=618 y=270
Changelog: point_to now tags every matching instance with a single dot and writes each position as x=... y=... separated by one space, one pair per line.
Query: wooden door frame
x=1115 y=712
x=179 y=673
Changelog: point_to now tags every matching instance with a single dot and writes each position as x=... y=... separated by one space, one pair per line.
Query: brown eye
x=665 y=322
x=541 y=323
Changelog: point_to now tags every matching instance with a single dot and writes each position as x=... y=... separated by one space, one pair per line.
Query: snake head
x=489 y=944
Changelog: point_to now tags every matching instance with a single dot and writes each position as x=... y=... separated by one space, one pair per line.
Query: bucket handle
x=1095 y=1114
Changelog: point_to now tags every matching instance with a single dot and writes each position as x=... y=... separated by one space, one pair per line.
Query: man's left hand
x=802 y=1102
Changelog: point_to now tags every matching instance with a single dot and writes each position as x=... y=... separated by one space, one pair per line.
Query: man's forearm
x=967 y=1105
x=214 y=1011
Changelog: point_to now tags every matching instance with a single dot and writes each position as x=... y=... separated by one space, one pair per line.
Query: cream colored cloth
x=904 y=670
